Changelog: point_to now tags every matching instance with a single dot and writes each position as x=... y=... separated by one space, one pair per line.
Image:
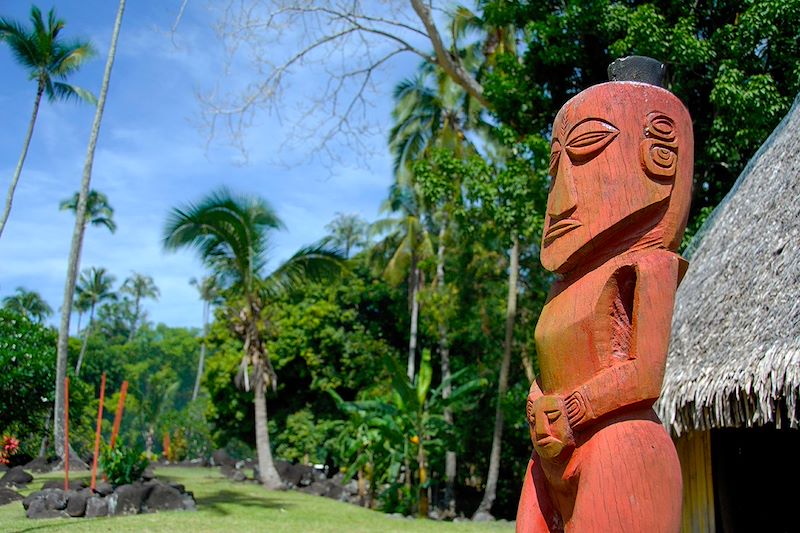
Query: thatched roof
x=734 y=359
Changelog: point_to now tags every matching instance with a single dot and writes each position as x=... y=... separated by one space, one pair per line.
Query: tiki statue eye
x=587 y=139
x=552 y=416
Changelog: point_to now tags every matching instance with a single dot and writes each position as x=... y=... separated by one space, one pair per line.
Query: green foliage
x=736 y=65
x=29 y=304
x=123 y=465
x=306 y=439
x=46 y=56
x=27 y=359
x=191 y=424
x=98 y=209
x=385 y=436
x=178 y=446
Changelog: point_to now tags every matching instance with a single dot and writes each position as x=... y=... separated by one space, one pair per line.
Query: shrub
x=178 y=446
x=123 y=465
x=27 y=360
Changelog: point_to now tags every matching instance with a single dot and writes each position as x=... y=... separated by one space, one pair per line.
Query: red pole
x=123 y=392
x=97 y=433
x=66 y=433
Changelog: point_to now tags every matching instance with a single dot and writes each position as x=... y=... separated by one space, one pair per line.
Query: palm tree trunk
x=527 y=363
x=502 y=387
x=77 y=240
x=43 y=445
x=23 y=155
x=134 y=321
x=266 y=467
x=444 y=355
x=200 y=363
x=85 y=342
x=412 y=337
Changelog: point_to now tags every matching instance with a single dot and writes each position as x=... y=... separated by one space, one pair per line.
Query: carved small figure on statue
x=621 y=166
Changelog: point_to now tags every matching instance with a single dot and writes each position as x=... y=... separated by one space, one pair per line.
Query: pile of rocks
x=80 y=501
x=13 y=479
x=304 y=478
x=314 y=481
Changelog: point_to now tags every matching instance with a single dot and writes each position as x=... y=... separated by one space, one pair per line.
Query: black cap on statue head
x=637 y=68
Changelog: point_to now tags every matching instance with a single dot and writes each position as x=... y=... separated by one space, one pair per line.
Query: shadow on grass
x=62 y=524
x=224 y=502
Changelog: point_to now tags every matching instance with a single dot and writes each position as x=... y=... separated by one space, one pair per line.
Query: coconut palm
x=76 y=245
x=139 y=287
x=47 y=58
x=209 y=291
x=81 y=306
x=348 y=231
x=231 y=235
x=431 y=111
x=94 y=287
x=408 y=242
x=98 y=210
x=29 y=304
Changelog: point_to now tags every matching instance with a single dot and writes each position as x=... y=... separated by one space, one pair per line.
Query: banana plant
x=389 y=435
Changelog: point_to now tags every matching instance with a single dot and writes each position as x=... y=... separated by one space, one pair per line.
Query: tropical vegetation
x=396 y=352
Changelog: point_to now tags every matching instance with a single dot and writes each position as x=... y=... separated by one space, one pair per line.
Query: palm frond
x=23 y=47
x=228 y=231
x=66 y=92
x=69 y=57
x=317 y=262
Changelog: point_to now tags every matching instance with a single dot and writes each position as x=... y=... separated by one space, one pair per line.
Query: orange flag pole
x=123 y=392
x=97 y=432
x=66 y=433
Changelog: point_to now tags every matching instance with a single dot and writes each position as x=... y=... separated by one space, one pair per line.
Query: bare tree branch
x=334 y=49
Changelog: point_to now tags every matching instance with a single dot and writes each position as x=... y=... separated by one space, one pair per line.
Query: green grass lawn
x=240 y=507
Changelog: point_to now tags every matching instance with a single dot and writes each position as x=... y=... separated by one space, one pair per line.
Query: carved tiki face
x=621 y=169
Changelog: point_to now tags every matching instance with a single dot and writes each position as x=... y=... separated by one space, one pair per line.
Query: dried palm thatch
x=734 y=360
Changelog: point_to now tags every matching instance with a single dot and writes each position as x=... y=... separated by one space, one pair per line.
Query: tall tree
x=139 y=286
x=80 y=306
x=231 y=234
x=76 y=245
x=433 y=113
x=29 y=304
x=348 y=231
x=209 y=291
x=95 y=287
x=98 y=210
x=408 y=242
x=47 y=58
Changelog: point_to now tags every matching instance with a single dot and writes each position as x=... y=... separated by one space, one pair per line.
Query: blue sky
x=152 y=156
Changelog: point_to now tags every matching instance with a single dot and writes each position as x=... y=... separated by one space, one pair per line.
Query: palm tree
x=209 y=292
x=139 y=286
x=98 y=211
x=431 y=111
x=407 y=240
x=348 y=231
x=47 y=58
x=434 y=113
x=95 y=287
x=231 y=236
x=77 y=239
x=29 y=304
x=81 y=306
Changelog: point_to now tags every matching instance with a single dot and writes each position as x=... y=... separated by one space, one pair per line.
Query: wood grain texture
x=621 y=165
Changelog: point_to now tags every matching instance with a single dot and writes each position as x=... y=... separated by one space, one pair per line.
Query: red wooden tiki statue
x=621 y=166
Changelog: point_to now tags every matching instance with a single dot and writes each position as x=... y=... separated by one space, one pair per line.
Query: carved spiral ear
x=659 y=147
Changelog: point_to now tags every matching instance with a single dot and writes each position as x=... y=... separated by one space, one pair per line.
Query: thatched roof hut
x=734 y=360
